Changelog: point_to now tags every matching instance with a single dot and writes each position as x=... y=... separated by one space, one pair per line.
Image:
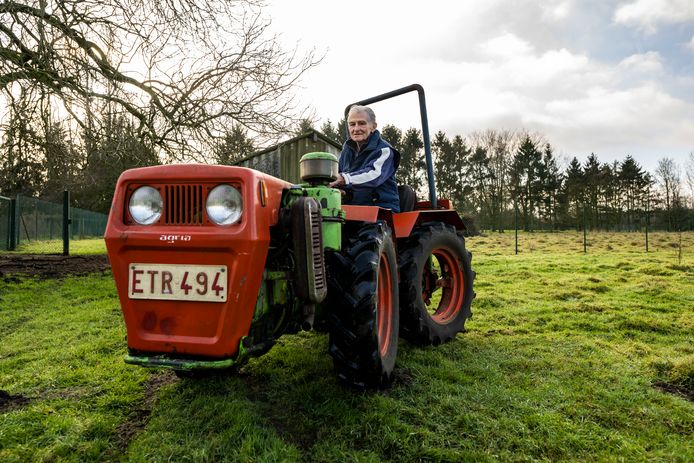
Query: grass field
x=569 y=357
x=87 y=246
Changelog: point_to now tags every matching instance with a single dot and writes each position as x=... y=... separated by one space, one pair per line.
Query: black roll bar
x=425 y=129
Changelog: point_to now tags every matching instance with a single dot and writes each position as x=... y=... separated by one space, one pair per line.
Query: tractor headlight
x=224 y=205
x=145 y=205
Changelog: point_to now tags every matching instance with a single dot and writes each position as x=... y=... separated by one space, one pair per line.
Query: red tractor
x=214 y=263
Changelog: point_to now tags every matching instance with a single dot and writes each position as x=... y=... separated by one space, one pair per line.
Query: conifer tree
x=234 y=146
x=412 y=165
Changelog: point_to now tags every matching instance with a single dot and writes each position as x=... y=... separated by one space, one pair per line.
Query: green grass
x=86 y=246
x=560 y=362
x=62 y=348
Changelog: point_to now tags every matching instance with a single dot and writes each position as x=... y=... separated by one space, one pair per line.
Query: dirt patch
x=401 y=377
x=11 y=402
x=675 y=389
x=139 y=416
x=47 y=266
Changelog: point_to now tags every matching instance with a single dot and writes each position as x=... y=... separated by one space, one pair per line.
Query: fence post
x=585 y=244
x=12 y=226
x=646 y=225
x=516 y=226
x=18 y=221
x=66 y=223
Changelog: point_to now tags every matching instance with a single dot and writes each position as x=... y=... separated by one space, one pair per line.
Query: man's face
x=359 y=127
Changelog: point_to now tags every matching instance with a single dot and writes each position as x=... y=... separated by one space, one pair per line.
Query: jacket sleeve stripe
x=369 y=175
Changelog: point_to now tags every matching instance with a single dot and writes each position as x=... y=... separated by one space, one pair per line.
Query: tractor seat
x=408 y=198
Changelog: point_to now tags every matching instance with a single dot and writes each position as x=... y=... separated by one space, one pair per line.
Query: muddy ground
x=49 y=266
x=10 y=402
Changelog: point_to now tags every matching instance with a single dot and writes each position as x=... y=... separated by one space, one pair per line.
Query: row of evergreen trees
x=504 y=177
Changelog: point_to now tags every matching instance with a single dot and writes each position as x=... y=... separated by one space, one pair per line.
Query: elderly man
x=367 y=164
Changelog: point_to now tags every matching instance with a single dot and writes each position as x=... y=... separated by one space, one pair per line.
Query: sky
x=610 y=77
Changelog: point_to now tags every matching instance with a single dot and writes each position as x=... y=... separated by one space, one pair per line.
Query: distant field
x=569 y=357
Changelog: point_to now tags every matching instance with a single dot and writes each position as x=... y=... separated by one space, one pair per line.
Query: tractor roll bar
x=425 y=129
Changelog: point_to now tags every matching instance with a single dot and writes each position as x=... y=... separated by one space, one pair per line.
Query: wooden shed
x=282 y=160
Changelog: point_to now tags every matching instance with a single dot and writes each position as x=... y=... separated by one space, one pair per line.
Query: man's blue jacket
x=370 y=173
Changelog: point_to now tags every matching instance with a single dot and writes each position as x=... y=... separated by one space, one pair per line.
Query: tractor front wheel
x=435 y=284
x=363 y=305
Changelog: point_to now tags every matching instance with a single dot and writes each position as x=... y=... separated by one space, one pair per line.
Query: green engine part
x=318 y=170
x=330 y=201
x=333 y=217
x=273 y=291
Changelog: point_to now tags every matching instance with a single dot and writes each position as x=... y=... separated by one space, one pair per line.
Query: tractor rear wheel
x=435 y=284
x=363 y=305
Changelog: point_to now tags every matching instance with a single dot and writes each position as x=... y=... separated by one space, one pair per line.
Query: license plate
x=175 y=282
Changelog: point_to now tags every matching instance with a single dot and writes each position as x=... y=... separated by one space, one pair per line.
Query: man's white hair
x=370 y=115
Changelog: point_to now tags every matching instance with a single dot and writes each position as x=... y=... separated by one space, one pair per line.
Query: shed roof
x=313 y=134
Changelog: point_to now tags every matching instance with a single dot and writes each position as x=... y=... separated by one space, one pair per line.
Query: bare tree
x=499 y=146
x=20 y=158
x=183 y=70
x=689 y=175
x=667 y=175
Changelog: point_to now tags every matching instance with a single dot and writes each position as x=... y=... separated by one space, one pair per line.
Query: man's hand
x=340 y=181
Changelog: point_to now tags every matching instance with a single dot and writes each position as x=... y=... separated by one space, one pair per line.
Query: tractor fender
x=402 y=223
x=405 y=222
x=370 y=214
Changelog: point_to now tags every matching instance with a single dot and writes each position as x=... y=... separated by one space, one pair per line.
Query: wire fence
x=582 y=217
x=677 y=246
x=35 y=226
x=645 y=231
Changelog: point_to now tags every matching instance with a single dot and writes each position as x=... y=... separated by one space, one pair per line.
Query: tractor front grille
x=183 y=204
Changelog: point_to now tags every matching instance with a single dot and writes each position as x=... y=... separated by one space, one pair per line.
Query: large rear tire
x=363 y=304
x=435 y=284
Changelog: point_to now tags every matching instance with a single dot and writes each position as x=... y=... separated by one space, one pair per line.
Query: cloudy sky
x=614 y=77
